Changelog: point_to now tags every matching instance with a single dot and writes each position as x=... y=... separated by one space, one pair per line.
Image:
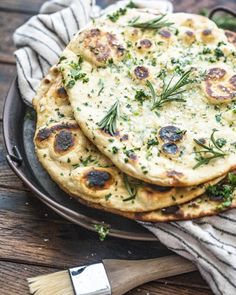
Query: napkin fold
x=209 y=242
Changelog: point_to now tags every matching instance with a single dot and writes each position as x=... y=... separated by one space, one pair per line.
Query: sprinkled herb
x=62 y=58
x=206 y=50
x=101 y=85
x=70 y=84
x=107 y=197
x=140 y=96
x=153 y=24
x=218 y=53
x=88 y=160
x=152 y=142
x=76 y=75
x=131 y=188
x=170 y=92
x=115 y=150
x=102 y=230
x=208 y=152
x=218 y=118
x=221 y=142
x=108 y=123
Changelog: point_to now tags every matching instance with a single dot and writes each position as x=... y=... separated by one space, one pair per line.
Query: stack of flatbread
x=138 y=116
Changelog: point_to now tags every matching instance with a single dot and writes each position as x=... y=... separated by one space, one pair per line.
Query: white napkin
x=209 y=242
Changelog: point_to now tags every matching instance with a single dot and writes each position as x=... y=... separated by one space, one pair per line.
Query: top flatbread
x=111 y=63
x=81 y=170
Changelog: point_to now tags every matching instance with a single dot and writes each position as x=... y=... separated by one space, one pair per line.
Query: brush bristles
x=57 y=283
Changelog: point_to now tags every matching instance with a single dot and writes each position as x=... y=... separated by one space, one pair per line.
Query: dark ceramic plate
x=18 y=128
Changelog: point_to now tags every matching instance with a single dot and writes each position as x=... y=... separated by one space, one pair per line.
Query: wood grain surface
x=33 y=239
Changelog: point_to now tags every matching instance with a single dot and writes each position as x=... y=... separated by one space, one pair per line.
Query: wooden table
x=33 y=239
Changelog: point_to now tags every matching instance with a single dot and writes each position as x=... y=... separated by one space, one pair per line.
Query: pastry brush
x=111 y=276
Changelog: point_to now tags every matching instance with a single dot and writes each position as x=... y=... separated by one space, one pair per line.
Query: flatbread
x=80 y=169
x=111 y=64
x=202 y=206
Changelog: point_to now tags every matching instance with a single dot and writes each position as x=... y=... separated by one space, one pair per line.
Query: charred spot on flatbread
x=43 y=134
x=217 y=87
x=100 y=46
x=46 y=132
x=171 y=133
x=165 y=34
x=170 y=148
x=98 y=179
x=215 y=74
x=64 y=141
x=141 y=72
x=188 y=37
x=170 y=210
x=61 y=92
x=158 y=188
x=232 y=81
x=144 y=44
x=207 y=36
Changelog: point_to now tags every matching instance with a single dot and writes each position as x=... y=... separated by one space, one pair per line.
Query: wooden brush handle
x=125 y=275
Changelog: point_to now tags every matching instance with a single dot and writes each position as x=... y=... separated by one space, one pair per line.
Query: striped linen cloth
x=209 y=242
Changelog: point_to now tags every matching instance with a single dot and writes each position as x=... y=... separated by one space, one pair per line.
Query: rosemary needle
x=131 y=188
x=153 y=24
x=208 y=152
x=108 y=123
x=171 y=92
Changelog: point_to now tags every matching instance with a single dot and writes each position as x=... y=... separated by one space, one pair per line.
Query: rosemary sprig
x=131 y=188
x=153 y=24
x=108 y=123
x=208 y=152
x=170 y=92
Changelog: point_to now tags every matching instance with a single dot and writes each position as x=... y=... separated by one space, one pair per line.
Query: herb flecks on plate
x=170 y=92
x=108 y=123
x=152 y=24
x=102 y=230
x=208 y=152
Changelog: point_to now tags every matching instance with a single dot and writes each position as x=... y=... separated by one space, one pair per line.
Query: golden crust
x=199 y=207
x=99 y=46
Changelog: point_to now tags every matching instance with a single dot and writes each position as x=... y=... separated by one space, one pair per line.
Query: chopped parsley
x=140 y=96
x=221 y=142
x=223 y=192
x=152 y=142
x=218 y=53
x=206 y=50
x=102 y=230
x=70 y=84
x=115 y=150
x=218 y=118
x=107 y=197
